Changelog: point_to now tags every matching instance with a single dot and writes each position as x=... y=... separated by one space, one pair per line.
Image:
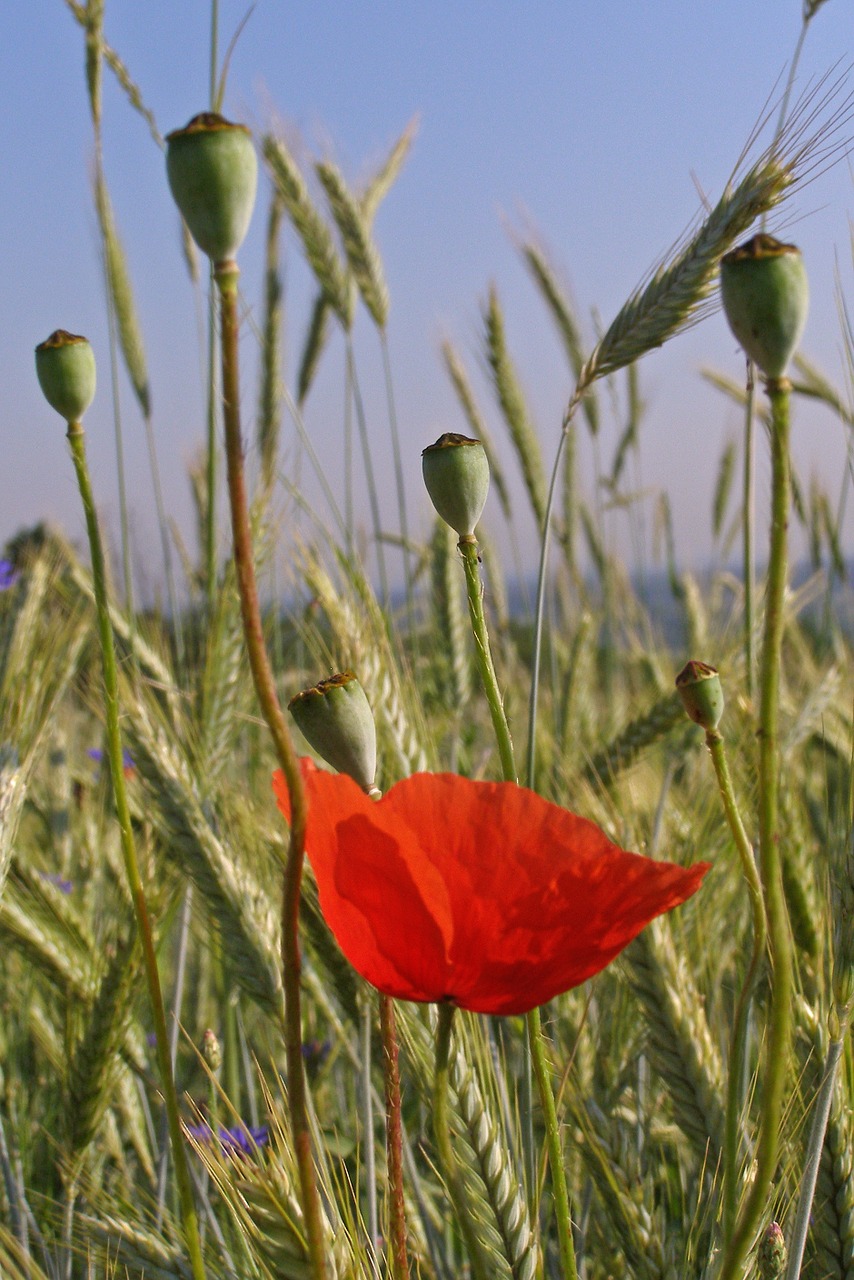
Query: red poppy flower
x=478 y=893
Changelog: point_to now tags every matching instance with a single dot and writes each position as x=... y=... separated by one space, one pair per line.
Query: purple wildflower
x=128 y=762
x=241 y=1140
x=315 y=1052
x=53 y=877
x=9 y=575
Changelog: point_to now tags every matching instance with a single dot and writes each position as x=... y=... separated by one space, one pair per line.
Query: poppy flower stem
x=536 y=1044
x=480 y=1268
x=474 y=591
x=560 y=1191
x=779 y=1033
x=226 y=275
x=399 y=1258
x=715 y=743
x=189 y=1221
x=394 y=1141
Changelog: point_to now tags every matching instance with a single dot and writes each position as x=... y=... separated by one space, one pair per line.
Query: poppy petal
x=366 y=878
x=542 y=899
x=481 y=893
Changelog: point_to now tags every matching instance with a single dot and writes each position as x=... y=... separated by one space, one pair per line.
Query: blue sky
x=595 y=124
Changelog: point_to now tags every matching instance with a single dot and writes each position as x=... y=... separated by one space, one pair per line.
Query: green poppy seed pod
x=766 y=295
x=213 y=173
x=65 y=366
x=335 y=719
x=699 y=687
x=456 y=473
x=771 y=1254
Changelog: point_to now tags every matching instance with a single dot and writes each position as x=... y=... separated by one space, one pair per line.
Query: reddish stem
x=394 y=1141
x=226 y=274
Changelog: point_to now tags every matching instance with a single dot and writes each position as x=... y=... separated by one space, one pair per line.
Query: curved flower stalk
x=212 y=173
x=65 y=366
x=765 y=296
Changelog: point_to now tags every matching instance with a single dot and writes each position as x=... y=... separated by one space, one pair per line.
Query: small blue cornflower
x=53 y=877
x=315 y=1052
x=128 y=762
x=9 y=575
x=241 y=1140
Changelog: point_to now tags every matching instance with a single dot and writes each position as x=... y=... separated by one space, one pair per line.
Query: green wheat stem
x=163 y=526
x=117 y=416
x=779 y=1033
x=175 y=1031
x=748 y=567
x=344 y=523
x=398 y=1254
x=214 y=54
x=536 y=1045
x=812 y=1163
x=189 y=1221
x=442 y=1131
x=124 y=522
x=715 y=743
x=560 y=1190
x=210 y=520
x=545 y=542
x=369 y=468
x=348 y=466
x=210 y=414
x=398 y=475
x=747 y=514
x=227 y=274
x=367 y=1101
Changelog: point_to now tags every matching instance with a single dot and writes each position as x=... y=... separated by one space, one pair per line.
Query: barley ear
x=362 y=254
x=509 y=394
x=310 y=227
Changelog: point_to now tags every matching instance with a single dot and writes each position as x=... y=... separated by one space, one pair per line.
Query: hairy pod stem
x=189 y=1221
x=715 y=743
x=536 y=1044
x=779 y=1033
x=226 y=274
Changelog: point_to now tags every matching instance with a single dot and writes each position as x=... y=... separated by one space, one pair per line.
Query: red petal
x=388 y=910
x=541 y=898
x=481 y=893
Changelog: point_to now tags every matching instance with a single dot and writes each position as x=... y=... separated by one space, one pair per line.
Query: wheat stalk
x=270 y=398
x=386 y=175
x=362 y=254
x=563 y=314
x=476 y=423
x=638 y=736
x=224 y=679
x=512 y=401
x=96 y=1065
x=630 y=1236
x=679 y=1041
x=673 y=297
x=244 y=914
x=118 y=68
x=311 y=228
x=518 y=1241
x=121 y=293
x=362 y=645
x=315 y=341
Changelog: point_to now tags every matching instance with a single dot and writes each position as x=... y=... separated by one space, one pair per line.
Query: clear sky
x=594 y=123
